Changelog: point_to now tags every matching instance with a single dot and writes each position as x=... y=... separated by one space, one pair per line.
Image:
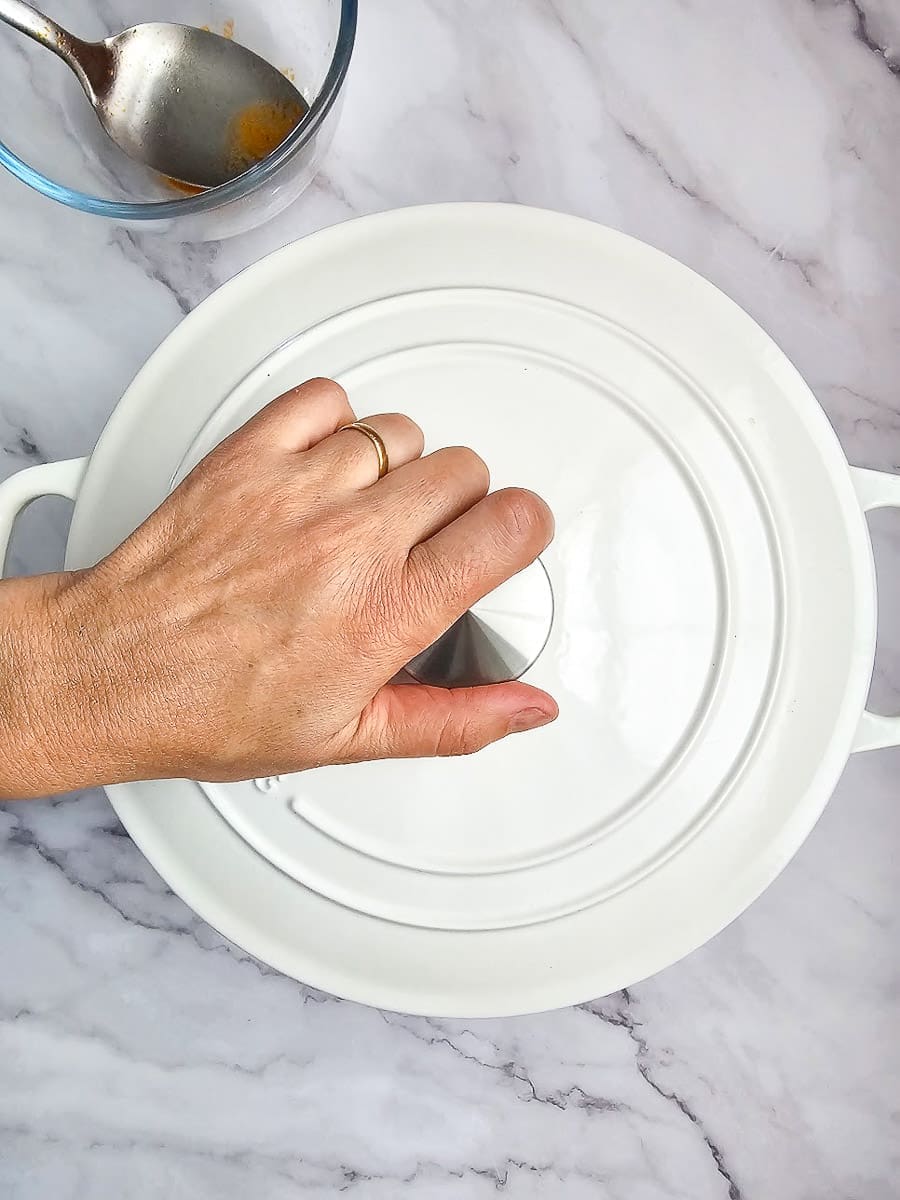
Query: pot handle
x=876 y=489
x=47 y=479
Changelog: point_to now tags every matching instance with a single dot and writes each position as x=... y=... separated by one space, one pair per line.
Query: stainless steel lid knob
x=498 y=639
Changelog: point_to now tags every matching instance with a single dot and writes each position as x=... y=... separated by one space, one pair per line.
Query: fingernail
x=529 y=718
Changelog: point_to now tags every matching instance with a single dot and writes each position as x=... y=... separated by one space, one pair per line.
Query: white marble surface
x=141 y=1056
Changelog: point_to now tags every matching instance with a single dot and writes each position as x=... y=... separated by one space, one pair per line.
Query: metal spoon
x=188 y=103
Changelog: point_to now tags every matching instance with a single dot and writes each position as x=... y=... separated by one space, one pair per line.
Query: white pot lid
x=705 y=615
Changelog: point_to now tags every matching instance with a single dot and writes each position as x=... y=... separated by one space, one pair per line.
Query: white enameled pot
x=710 y=639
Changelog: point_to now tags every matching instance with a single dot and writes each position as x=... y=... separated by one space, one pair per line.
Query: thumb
x=417 y=721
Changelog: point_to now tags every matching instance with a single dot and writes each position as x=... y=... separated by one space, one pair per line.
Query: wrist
x=55 y=727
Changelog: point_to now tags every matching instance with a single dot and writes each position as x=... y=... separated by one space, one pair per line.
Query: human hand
x=254 y=623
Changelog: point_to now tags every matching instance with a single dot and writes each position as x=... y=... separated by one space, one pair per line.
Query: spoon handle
x=33 y=23
x=73 y=50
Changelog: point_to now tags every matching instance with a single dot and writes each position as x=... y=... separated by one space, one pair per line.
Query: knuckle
x=412 y=432
x=263 y=430
x=322 y=388
x=432 y=584
x=324 y=393
x=461 y=462
x=359 y=580
x=458 y=740
x=399 y=424
x=384 y=602
x=523 y=518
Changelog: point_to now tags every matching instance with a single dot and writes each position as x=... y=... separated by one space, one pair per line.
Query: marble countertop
x=142 y=1056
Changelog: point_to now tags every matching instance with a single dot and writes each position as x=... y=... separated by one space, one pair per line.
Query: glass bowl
x=51 y=139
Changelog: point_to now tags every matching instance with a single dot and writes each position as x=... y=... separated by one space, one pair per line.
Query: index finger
x=450 y=571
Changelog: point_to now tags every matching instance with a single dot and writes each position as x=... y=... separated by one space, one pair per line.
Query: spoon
x=194 y=106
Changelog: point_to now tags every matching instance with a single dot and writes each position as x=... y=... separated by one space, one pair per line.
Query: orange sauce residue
x=227 y=29
x=189 y=189
x=261 y=127
x=255 y=132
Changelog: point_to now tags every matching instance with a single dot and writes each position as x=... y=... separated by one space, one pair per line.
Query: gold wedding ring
x=377 y=441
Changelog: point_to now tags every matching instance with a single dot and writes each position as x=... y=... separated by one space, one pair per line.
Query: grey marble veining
x=140 y=1055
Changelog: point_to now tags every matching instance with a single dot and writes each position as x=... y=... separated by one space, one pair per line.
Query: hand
x=253 y=624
